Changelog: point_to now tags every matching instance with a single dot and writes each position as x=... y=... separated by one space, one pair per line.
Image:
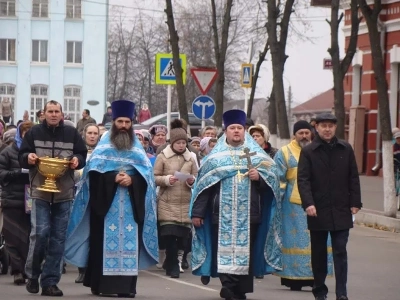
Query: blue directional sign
x=203 y=107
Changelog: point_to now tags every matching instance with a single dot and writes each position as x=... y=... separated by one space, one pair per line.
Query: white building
x=54 y=50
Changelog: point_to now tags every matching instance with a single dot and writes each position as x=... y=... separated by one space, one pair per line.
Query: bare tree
x=272 y=118
x=174 y=41
x=220 y=49
x=340 y=68
x=373 y=21
x=261 y=59
x=278 y=28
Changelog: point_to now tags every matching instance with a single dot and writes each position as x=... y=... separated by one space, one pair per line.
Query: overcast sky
x=304 y=67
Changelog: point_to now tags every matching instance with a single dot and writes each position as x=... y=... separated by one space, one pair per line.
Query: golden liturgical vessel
x=51 y=168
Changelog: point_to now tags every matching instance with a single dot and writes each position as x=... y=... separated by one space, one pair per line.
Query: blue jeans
x=47 y=240
x=319 y=260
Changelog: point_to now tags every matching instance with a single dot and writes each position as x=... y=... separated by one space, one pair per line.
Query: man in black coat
x=329 y=188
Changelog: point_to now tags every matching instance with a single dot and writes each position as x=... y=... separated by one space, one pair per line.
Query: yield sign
x=204 y=78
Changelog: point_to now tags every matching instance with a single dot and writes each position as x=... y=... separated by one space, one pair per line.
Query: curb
x=377 y=220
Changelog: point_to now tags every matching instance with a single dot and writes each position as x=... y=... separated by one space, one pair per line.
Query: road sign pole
x=246 y=99
x=169 y=100
x=203 y=123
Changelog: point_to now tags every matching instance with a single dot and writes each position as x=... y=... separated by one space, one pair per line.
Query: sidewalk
x=372 y=213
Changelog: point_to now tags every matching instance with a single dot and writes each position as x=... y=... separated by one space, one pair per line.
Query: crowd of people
x=133 y=199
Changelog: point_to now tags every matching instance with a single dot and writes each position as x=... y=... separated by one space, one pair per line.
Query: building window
x=39 y=51
x=38 y=100
x=7 y=50
x=40 y=8
x=74 y=9
x=74 y=52
x=72 y=102
x=8 y=91
x=7 y=8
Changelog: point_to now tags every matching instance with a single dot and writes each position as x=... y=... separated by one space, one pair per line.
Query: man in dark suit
x=329 y=188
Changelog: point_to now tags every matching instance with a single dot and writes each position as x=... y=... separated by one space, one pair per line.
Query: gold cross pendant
x=240 y=176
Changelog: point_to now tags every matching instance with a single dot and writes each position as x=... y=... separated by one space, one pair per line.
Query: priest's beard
x=121 y=139
x=303 y=143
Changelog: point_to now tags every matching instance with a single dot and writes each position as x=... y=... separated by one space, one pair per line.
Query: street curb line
x=375 y=220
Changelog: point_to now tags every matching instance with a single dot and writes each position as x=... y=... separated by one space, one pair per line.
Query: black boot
x=52 y=291
x=19 y=279
x=81 y=275
x=185 y=264
x=32 y=286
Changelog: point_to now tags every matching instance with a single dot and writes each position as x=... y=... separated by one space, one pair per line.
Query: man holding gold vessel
x=54 y=150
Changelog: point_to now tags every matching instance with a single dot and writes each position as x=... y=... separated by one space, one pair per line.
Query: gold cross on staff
x=247 y=154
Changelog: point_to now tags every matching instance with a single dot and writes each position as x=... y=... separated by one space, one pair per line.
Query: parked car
x=195 y=124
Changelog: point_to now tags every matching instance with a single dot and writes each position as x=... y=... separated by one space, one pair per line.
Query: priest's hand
x=123 y=179
x=197 y=222
x=354 y=210
x=311 y=211
x=73 y=164
x=126 y=180
x=254 y=175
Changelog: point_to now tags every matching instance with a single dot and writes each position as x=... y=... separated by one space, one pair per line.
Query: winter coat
x=173 y=200
x=6 y=108
x=327 y=177
x=107 y=118
x=62 y=142
x=83 y=122
x=12 y=180
x=144 y=115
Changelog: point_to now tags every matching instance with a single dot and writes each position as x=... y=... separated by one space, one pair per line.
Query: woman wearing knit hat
x=195 y=143
x=174 y=197
x=158 y=136
x=261 y=134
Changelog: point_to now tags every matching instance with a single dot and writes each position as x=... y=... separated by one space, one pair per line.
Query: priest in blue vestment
x=236 y=212
x=113 y=225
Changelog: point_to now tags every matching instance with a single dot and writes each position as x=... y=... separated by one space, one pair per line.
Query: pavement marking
x=181 y=282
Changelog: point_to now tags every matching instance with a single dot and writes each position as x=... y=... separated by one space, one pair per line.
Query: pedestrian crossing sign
x=165 y=72
x=246 y=76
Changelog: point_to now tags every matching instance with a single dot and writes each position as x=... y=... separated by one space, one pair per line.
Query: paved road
x=373 y=275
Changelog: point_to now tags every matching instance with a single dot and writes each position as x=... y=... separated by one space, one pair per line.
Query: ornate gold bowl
x=51 y=168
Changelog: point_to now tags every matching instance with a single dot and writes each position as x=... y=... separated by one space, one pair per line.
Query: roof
x=322 y=102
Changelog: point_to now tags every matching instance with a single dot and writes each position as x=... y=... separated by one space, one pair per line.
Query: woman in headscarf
x=17 y=226
x=91 y=136
x=206 y=145
x=261 y=134
x=158 y=136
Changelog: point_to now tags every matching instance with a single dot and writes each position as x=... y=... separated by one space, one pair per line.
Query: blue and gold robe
x=121 y=245
x=296 y=251
x=220 y=165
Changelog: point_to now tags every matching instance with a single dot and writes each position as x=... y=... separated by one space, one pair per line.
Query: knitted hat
x=177 y=134
x=158 y=128
x=139 y=132
x=396 y=135
x=262 y=129
x=9 y=135
x=302 y=124
x=195 y=139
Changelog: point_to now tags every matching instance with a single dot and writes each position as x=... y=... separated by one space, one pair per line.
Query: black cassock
x=102 y=192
